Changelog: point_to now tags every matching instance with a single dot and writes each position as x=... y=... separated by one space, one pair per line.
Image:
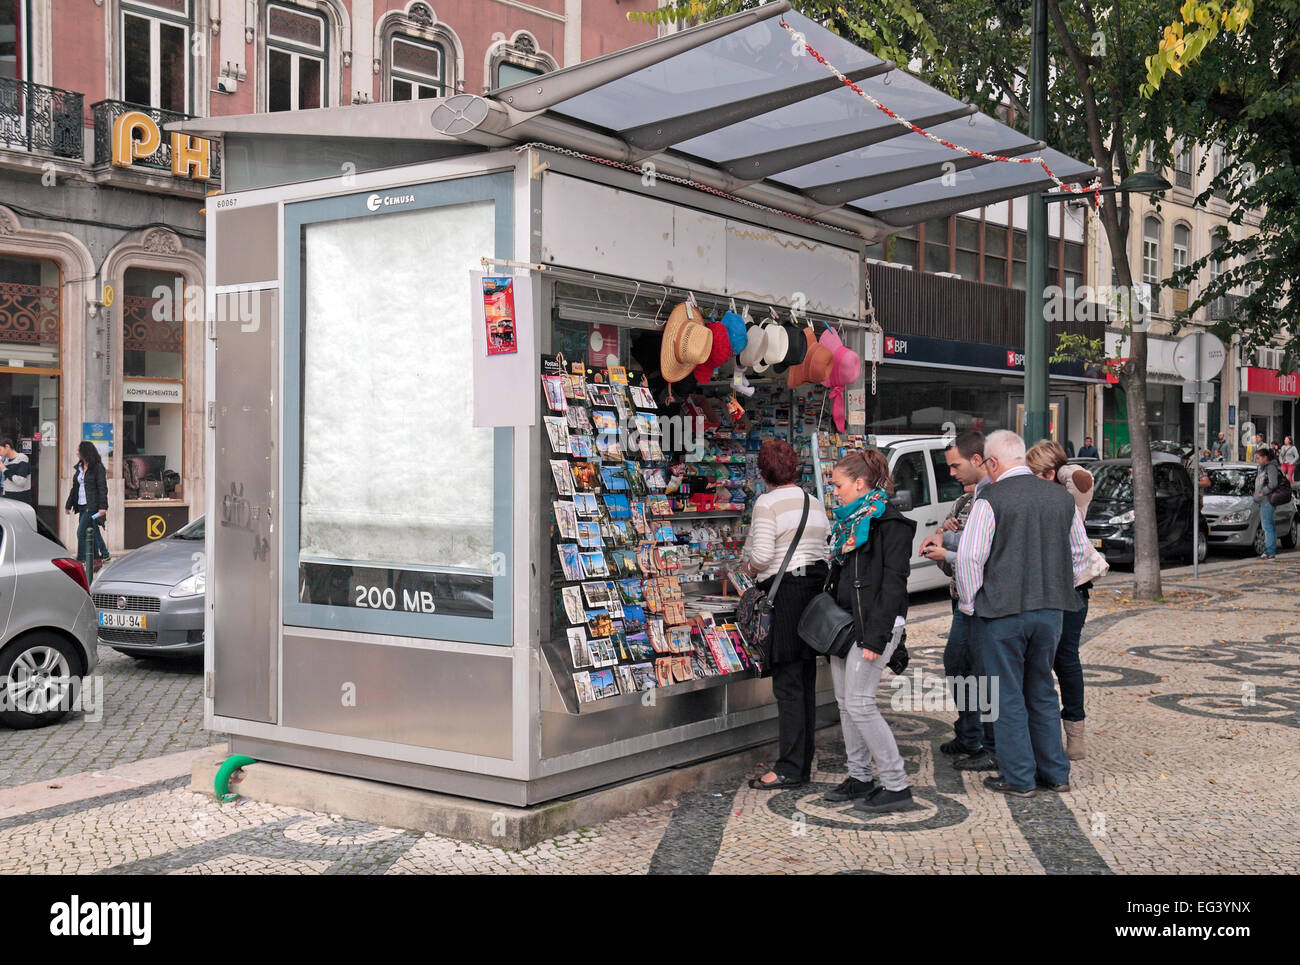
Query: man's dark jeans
x=1019 y=651
x=958 y=665
x=794 y=684
x=1069 y=670
x=976 y=632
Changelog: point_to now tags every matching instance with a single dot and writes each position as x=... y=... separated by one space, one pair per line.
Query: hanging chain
x=873 y=327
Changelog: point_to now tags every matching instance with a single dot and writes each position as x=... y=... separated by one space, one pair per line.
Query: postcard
x=654 y=601
x=659 y=506
x=578 y=647
x=594 y=563
x=582 y=445
x=656 y=481
x=572 y=596
x=620 y=532
x=600 y=393
x=668 y=557
x=619 y=639
x=617 y=506
x=596 y=592
x=607 y=447
x=679 y=639
x=613 y=478
x=602 y=682
x=674 y=611
x=603 y=653
x=663 y=671
x=563 y=476
x=577 y=419
x=636 y=480
x=631 y=591
x=605 y=421
x=570 y=561
x=585 y=476
x=557 y=429
x=634 y=619
x=638 y=518
x=582 y=684
x=617 y=375
x=664 y=533
x=642 y=397
x=625 y=682
x=566 y=519
x=586 y=505
x=658 y=639
x=681 y=670
x=554 y=386
x=625 y=561
x=575 y=387
x=588 y=534
x=599 y=623
x=643 y=676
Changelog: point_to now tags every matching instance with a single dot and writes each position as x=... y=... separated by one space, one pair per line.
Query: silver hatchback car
x=1232 y=514
x=47 y=622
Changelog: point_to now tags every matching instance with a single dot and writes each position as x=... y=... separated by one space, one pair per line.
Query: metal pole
x=1036 y=373
x=1196 y=463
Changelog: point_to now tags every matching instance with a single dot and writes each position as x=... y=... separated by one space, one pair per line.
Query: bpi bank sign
x=895 y=346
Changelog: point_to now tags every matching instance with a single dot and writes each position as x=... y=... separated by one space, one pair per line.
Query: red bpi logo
x=895 y=346
x=1014 y=359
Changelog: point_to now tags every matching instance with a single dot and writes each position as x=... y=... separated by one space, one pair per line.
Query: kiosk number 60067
x=374 y=598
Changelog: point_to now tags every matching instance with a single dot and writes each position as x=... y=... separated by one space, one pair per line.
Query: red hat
x=720 y=353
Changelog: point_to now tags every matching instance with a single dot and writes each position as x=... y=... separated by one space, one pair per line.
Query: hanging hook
x=632 y=302
x=662 y=302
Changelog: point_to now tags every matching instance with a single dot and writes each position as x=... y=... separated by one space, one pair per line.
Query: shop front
x=935 y=385
x=1268 y=400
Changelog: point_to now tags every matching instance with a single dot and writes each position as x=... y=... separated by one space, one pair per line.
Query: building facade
x=102 y=259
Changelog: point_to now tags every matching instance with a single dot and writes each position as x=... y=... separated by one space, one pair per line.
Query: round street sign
x=1210 y=349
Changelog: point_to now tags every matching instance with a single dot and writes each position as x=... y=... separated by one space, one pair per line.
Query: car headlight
x=1240 y=516
x=190 y=586
x=1121 y=519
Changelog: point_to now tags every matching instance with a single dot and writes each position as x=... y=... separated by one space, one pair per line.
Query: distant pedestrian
x=1023 y=551
x=1048 y=462
x=16 y=473
x=1221 y=447
x=1088 y=450
x=1268 y=479
x=871 y=555
x=1289 y=456
x=972 y=746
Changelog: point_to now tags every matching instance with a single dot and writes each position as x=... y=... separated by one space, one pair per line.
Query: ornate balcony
x=40 y=120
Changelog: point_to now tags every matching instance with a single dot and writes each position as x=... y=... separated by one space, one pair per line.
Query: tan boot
x=1074 y=748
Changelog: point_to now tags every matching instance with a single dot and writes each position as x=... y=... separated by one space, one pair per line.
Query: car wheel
x=1202 y=548
x=37 y=673
x=1289 y=540
x=1259 y=540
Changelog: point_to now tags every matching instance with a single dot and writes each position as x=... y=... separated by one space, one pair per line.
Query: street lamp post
x=1036 y=375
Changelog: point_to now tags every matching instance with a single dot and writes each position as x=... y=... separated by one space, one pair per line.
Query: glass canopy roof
x=741 y=95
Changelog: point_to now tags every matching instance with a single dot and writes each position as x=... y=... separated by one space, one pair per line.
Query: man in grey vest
x=1023 y=549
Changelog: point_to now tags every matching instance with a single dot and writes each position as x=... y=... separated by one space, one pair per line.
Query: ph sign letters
x=137 y=135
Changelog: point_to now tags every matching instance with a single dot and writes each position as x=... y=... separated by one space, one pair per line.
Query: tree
x=979 y=50
x=1237 y=69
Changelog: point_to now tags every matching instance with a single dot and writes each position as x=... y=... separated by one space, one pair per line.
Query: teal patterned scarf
x=853 y=522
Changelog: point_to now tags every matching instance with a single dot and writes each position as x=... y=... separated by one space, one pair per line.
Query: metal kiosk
x=380 y=598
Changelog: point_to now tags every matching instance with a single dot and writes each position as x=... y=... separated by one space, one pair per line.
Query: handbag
x=754 y=612
x=826 y=627
x=1281 y=494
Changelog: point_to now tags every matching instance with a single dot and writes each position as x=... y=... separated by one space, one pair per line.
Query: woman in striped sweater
x=777 y=513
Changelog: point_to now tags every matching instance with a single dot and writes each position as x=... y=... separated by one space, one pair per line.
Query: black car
x=1111 y=514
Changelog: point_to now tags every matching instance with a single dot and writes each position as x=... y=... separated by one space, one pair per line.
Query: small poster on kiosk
x=499 y=314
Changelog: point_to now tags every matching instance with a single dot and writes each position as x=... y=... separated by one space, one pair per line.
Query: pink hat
x=845 y=369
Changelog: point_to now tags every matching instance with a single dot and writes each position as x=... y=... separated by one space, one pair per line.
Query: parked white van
x=918 y=467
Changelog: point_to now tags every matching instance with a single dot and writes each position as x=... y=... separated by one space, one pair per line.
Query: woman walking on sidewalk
x=1048 y=461
x=871 y=549
x=89 y=498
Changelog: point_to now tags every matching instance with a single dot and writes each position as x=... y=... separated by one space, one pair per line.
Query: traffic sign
x=1198 y=391
x=1211 y=356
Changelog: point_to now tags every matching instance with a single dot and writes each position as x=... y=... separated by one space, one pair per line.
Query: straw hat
x=816 y=365
x=686 y=343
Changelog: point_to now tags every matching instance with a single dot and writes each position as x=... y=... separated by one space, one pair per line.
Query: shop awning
x=734 y=104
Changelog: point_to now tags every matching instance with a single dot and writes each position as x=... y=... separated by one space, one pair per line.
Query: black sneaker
x=851 y=789
x=1002 y=787
x=885 y=800
x=983 y=761
x=1058 y=788
x=957 y=748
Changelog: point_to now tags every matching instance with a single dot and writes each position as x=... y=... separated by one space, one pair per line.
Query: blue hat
x=735 y=326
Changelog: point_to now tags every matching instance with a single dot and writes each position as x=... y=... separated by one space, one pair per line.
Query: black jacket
x=884 y=564
x=96 y=490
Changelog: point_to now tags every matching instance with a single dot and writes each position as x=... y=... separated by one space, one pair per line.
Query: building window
x=155 y=54
x=12 y=49
x=1182 y=246
x=415 y=69
x=1183 y=167
x=1019 y=247
x=967 y=251
x=30 y=329
x=153 y=369
x=517 y=61
x=937 y=251
x=1151 y=259
x=509 y=73
x=296 y=48
x=905 y=248
x=1219 y=160
x=995 y=254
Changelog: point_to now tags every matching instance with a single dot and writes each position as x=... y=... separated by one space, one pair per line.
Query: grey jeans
x=866 y=735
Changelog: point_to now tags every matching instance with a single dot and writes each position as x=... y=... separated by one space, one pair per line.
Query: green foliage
x=1078 y=348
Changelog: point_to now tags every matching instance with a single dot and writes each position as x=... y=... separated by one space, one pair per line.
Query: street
x=1192 y=721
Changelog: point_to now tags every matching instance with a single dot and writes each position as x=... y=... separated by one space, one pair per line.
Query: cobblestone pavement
x=1193 y=713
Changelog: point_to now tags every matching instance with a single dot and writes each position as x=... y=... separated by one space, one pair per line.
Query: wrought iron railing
x=29 y=314
x=40 y=119
x=1223 y=307
x=106 y=112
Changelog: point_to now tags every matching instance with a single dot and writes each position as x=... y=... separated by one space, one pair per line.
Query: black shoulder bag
x=825 y=626
x=754 y=613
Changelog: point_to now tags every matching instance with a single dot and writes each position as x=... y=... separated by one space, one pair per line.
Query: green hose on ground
x=222 y=783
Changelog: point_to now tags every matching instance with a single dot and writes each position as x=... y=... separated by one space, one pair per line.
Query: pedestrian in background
x=1048 y=462
x=1288 y=456
x=1020 y=557
x=973 y=744
x=871 y=559
x=1267 y=480
x=1221 y=447
x=1089 y=450
x=16 y=472
x=88 y=497
x=775 y=526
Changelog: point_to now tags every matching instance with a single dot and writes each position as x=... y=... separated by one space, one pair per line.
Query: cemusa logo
x=377 y=201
